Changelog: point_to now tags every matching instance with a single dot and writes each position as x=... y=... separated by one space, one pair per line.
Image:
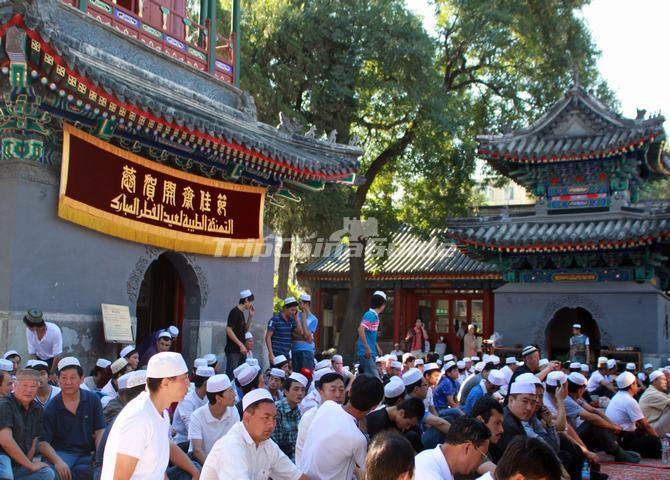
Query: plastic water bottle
x=586 y=471
x=665 y=450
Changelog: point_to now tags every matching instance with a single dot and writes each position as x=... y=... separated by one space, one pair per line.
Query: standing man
x=139 y=444
x=20 y=424
x=236 y=330
x=367 y=334
x=470 y=342
x=72 y=424
x=303 y=350
x=281 y=330
x=45 y=340
x=579 y=345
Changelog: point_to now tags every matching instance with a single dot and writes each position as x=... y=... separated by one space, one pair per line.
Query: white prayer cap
x=68 y=362
x=252 y=361
x=520 y=388
x=585 y=367
x=394 y=388
x=528 y=378
x=648 y=365
x=449 y=366
x=602 y=361
x=495 y=359
x=460 y=364
x=379 y=293
x=137 y=378
x=625 y=380
x=102 y=363
x=578 y=379
x=118 y=365
x=199 y=362
x=611 y=363
x=379 y=359
x=487 y=358
x=429 y=367
x=211 y=359
x=126 y=350
x=439 y=362
x=174 y=331
x=247 y=375
x=475 y=358
x=630 y=366
x=508 y=375
x=10 y=353
x=323 y=363
x=218 y=383
x=556 y=378
x=396 y=364
x=305 y=298
x=496 y=377
x=165 y=334
x=543 y=362
x=528 y=350
x=448 y=357
x=300 y=378
x=166 y=365
x=245 y=294
x=34 y=363
x=577 y=325
x=255 y=396
x=248 y=336
x=510 y=361
x=411 y=376
x=278 y=372
x=279 y=359
x=419 y=361
x=205 y=372
x=655 y=374
x=122 y=381
x=239 y=368
x=576 y=365
x=336 y=358
x=479 y=366
x=318 y=374
x=290 y=302
x=6 y=365
x=406 y=355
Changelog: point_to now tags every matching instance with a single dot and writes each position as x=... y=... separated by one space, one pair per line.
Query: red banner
x=122 y=194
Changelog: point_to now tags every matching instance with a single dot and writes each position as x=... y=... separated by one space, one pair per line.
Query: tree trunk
x=284 y=266
x=355 y=306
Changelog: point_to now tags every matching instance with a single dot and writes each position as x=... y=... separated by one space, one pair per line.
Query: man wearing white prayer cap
x=579 y=345
x=367 y=334
x=236 y=329
x=249 y=344
x=6 y=378
x=247 y=378
x=490 y=383
x=214 y=419
x=417 y=386
x=281 y=361
x=191 y=402
x=130 y=353
x=285 y=434
x=521 y=407
x=275 y=382
x=139 y=444
x=247 y=450
x=97 y=374
x=303 y=350
x=655 y=403
x=394 y=391
x=14 y=357
x=283 y=329
x=116 y=404
x=599 y=383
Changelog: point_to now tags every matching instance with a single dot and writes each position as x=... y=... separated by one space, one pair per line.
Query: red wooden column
x=319 y=315
x=489 y=327
x=397 y=312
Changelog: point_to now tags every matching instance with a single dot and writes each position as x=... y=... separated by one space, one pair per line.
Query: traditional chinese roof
x=577 y=128
x=631 y=227
x=91 y=75
x=409 y=257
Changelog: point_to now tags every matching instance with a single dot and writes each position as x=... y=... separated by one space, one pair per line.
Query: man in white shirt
x=246 y=452
x=599 y=382
x=463 y=450
x=191 y=402
x=138 y=445
x=655 y=403
x=324 y=458
x=45 y=341
x=637 y=434
x=212 y=421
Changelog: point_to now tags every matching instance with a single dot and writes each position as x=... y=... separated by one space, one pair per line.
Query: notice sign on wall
x=116 y=192
x=116 y=323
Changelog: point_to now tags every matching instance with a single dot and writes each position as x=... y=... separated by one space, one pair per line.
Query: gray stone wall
x=67 y=271
x=627 y=313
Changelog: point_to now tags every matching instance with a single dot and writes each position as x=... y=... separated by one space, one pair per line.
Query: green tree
x=368 y=68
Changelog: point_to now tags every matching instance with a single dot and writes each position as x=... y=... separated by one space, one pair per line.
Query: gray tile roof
x=410 y=256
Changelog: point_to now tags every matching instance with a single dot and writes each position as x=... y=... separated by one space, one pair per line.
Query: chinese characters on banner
x=116 y=192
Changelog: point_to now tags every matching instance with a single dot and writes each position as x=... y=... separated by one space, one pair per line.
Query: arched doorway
x=169 y=295
x=559 y=331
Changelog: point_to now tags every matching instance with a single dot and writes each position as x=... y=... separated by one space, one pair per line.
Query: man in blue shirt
x=303 y=350
x=72 y=425
x=282 y=329
x=490 y=384
x=367 y=334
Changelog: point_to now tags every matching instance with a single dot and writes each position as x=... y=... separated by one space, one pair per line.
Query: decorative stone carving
x=201 y=278
x=137 y=275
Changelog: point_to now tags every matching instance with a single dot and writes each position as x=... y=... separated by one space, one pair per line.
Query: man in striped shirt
x=282 y=330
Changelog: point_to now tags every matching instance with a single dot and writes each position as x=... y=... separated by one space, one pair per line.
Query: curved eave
x=108 y=102
x=389 y=276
